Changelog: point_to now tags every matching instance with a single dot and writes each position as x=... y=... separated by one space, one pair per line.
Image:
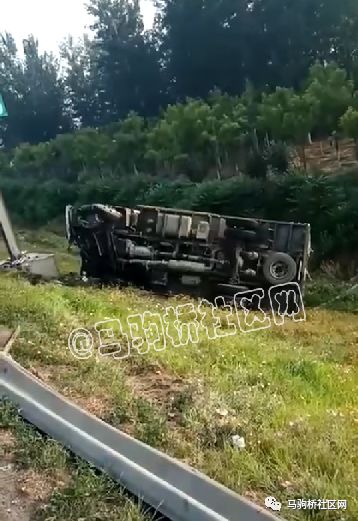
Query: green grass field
x=291 y=392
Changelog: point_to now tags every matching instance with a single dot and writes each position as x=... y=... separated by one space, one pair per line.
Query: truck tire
x=279 y=268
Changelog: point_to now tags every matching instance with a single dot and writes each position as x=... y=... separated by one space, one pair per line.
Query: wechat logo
x=270 y=502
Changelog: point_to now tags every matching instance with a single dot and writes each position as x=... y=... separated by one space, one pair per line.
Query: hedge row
x=329 y=203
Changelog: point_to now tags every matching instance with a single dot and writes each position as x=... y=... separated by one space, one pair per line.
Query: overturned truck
x=187 y=252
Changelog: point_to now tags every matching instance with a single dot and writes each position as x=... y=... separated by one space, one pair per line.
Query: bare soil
x=21 y=492
x=5 y=335
x=322 y=155
x=13 y=505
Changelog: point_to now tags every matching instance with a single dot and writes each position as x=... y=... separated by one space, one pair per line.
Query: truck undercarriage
x=181 y=251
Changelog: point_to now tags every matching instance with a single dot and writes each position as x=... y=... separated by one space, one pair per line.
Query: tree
x=11 y=85
x=181 y=140
x=44 y=113
x=197 y=137
x=298 y=122
x=201 y=45
x=230 y=129
x=330 y=93
x=128 y=145
x=272 y=112
x=349 y=123
x=126 y=63
x=345 y=40
x=34 y=94
x=287 y=116
x=283 y=38
x=82 y=86
x=223 y=43
x=250 y=101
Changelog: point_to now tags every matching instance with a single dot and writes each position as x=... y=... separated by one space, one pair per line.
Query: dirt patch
x=148 y=381
x=172 y=395
x=13 y=506
x=21 y=492
x=323 y=156
x=5 y=336
x=7 y=440
x=38 y=487
x=98 y=405
x=49 y=374
x=156 y=385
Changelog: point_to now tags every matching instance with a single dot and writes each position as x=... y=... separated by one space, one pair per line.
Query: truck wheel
x=279 y=268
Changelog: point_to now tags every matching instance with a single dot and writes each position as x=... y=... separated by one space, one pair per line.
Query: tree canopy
x=195 y=48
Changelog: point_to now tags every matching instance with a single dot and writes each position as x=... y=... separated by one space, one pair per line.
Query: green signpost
x=3 y=111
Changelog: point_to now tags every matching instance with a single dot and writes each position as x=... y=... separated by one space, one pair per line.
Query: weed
x=91 y=496
x=150 y=427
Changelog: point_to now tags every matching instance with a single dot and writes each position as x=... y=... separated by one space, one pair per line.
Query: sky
x=51 y=20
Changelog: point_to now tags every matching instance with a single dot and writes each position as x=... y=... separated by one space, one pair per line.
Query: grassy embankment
x=290 y=392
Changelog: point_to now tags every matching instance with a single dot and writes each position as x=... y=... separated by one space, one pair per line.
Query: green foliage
x=349 y=122
x=329 y=203
x=278 y=157
x=272 y=112
x=123 y=62
x=36 y=203
x=257 y=165
x=193 y=49
x=196 y=137
x=286 y=115
x=207 y=44
x=330 y=94
x=208 y=155
x=34 y=94
x=298 y=119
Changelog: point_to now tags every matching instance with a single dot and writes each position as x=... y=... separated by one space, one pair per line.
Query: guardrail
x=172 y=488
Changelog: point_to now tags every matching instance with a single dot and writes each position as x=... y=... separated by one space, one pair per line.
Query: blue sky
x=51 y=20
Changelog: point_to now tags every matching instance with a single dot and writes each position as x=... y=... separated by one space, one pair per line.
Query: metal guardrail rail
x=172 y=488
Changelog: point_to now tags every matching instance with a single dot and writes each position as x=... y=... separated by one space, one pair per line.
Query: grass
x=290 y=392
x=76 y=491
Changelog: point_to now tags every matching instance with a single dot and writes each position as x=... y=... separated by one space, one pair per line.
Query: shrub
x=328 y=203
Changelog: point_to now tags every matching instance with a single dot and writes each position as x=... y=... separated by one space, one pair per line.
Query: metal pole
x=8 y=232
